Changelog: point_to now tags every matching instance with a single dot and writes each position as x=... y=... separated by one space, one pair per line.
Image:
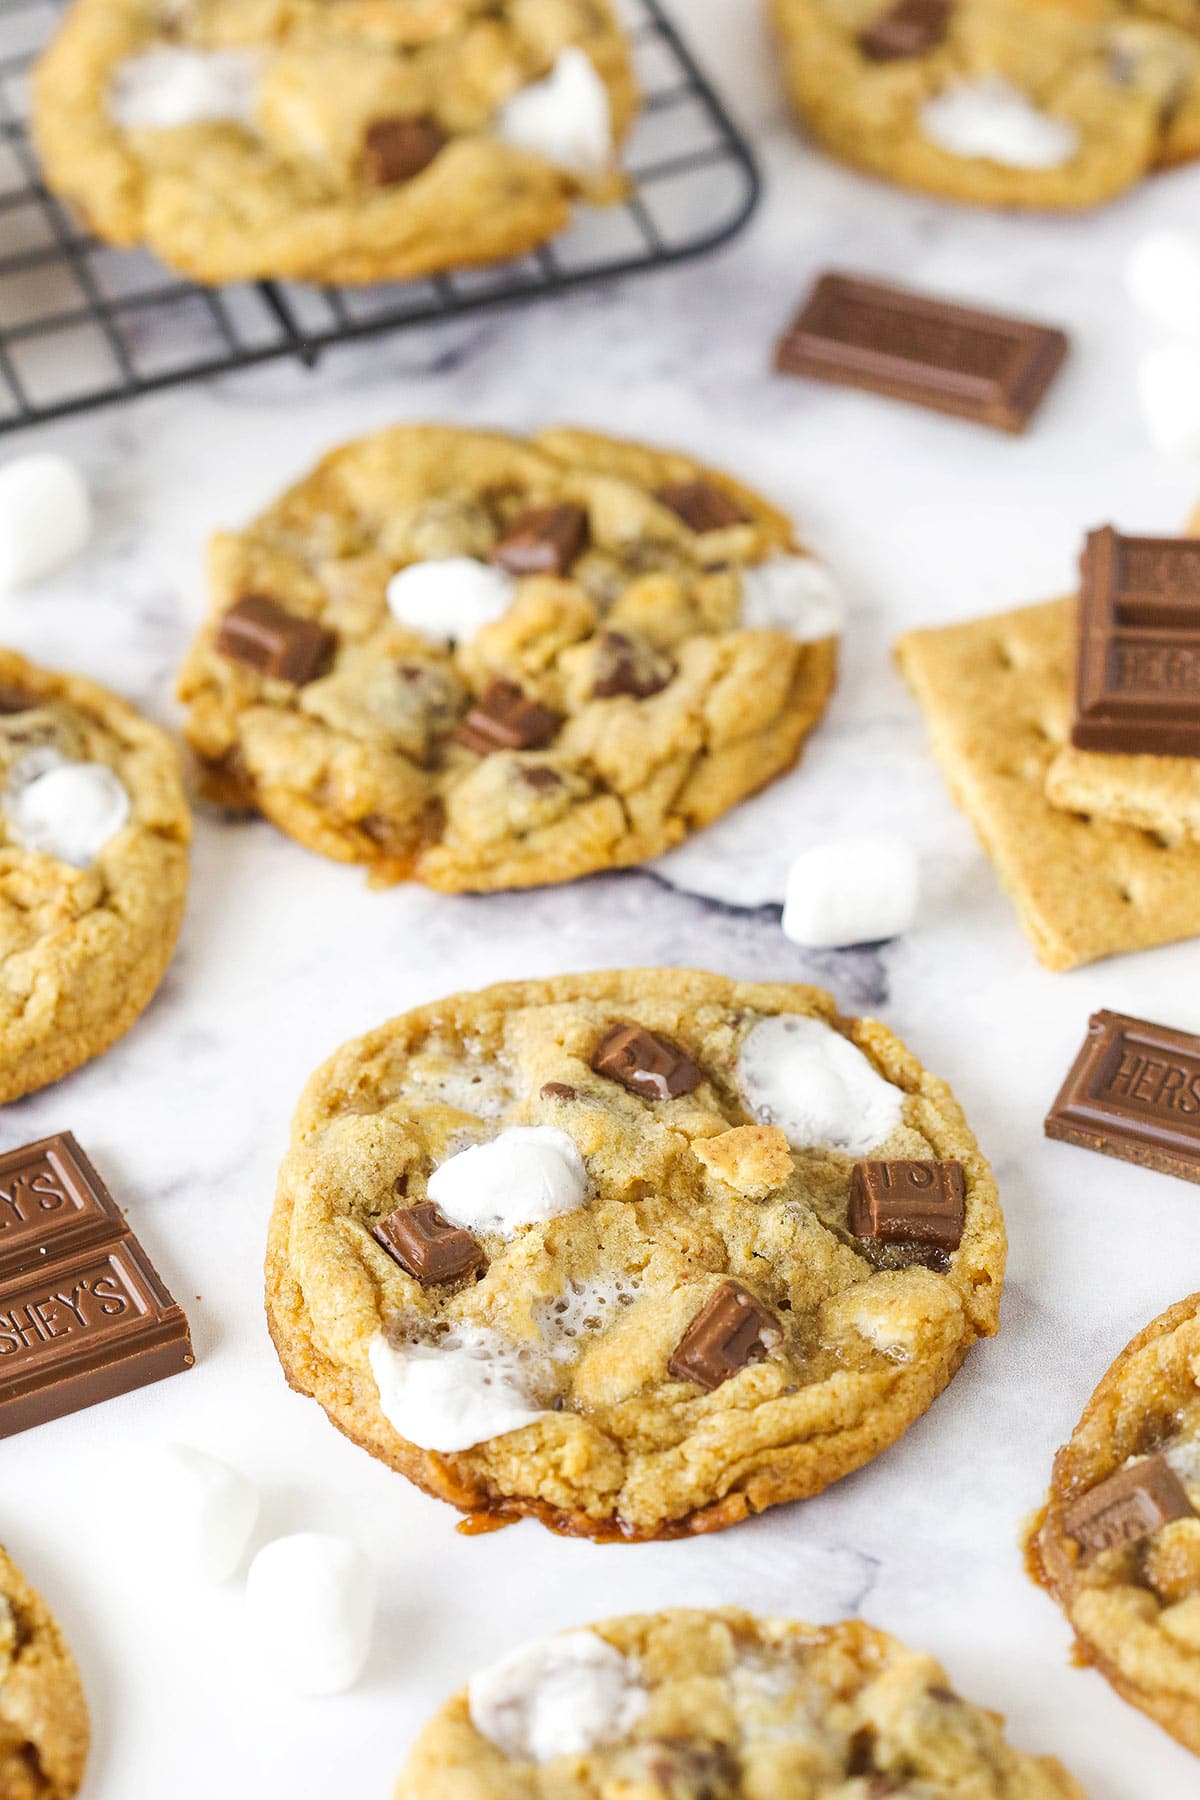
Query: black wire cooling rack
x=82 y=324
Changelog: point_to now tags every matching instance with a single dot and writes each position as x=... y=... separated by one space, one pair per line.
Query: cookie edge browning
x=1050 y=1561
x=59 y=1683
x=58 y=1057
x=785 y=1475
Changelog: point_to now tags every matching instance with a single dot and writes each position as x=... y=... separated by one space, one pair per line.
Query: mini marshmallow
x=563 y=1696
x=201 y=1511
x=1169 y=391
x=1162 y=276
x=853 y=891
x=816 y=1086
x=310 y=1602
x=524 y=1176
x=796 y=594
x=469 y=1387
x=992 y=119
x=45 y=517
x=64 y=809
x=174 y=86
x=566 y=117
x=450 y=597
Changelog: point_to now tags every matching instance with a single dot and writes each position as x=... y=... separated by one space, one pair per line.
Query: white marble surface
x=284 y=956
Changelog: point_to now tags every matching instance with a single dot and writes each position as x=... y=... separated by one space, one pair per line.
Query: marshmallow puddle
x=450 y=598
x=994 y=121
x=173 y=86
x=564 y=1696
x=796 y=594
x=566 y=117
x=816 y=1086
x=466 y=1387
x=524 y=1176
x=63 y=809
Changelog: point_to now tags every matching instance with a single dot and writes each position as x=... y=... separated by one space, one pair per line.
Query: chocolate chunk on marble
x=646 y=1063
x=397 y=149
x=702 y=506
x=266 y=637
x=428 y=1247
x=1133 y=1092
x=544 y=541
x=1131 y=1505
x=505 y=718
x=910 y=28
x=731 y=1330
x=909 y=1203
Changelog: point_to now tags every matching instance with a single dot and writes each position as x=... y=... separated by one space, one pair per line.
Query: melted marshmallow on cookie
x=566 y=117
x=564 y=1696
x=450 y=598
x=991 y=119
x=172 y=86
x=468 y=1387
x=796 y=594
x=528 y=1174
x=64 y=809
x=816 y=1086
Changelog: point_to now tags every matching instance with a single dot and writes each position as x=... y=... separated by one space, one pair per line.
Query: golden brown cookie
x=43 y=1716
x=715 y=1706
x=485 y=662
x=366 y=141
x=1042 y=103
x=582 y=1248
x=1118 y=1544
x=94 y=833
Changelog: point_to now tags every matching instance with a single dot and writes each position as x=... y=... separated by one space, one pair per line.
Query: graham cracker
x=1159 y=793
x=997 y=698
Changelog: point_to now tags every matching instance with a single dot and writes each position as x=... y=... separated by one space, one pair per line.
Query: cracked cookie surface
x=360 y=142
x=94 y=834
x=721 y=1705
x=43 y=1716
x=1000 y=102
x=511 y=662
x=579 y=1248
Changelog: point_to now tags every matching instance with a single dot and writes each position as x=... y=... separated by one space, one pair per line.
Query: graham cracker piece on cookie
x=996 y=694
x=753 y=1159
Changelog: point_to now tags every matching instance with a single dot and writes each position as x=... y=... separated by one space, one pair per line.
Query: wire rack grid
x=82 y=324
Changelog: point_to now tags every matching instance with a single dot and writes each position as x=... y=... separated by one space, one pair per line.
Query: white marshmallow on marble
x=524 y=1176
x=566 y=117
x=450 y=597
x=563 y=1696
x=990 y=118
x=174 y=86
x=852 y=891
x=310 y=1601
x=465 y=1389
x=796 y=594
x=1169 y=392
x=1162 y=276
x=801 y=1075
x=45 y=517
x=67 y=810
x=200 y=1511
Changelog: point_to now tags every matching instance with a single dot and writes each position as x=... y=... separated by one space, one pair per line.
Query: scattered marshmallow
x=174 y=86
x=853 y=891
x=796 y=594
x=202 y=1511
x=1169 y=391
x=450 y=597
x=524 y=1176
x=68 y=810
x=469 y=1387
x=45 y=517
x=1162 y=276
x=816 y=1086
x=310 y=1601
x=991 y=118
x=563 y=1696
x=566 y=117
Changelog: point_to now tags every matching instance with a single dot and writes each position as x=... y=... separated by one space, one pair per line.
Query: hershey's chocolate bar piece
x=544 y=541
x=1137 y=685
x=263 y=635
x=731 y=1329
x=909 y=1203
x=646 y=1063
x=626 y=665
x=1134 y=1092
x=396 y=149
x=910 y=29
x=953 y=359
x=702 y=506
x=1131 y=1505
x=505 y=718
x=427 y=1246
x=83 y=1314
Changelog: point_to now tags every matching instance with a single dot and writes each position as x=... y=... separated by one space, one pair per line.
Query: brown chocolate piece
x=910 y=29
x=702 y=506
x=909 y=1203
x=1134 y=1093
x=558 y=1090
x=544 y=541
x=266 y=637
x=83 y=1314
x=504 y=718
x=541 y=778
x=14 y=700
x=427 y=1246
x=1138 y=671
x=646 y=1063
x=731 y=1329
x=953 y=359
x=1131 y=1505
x=394 y=150
x=624 y=666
